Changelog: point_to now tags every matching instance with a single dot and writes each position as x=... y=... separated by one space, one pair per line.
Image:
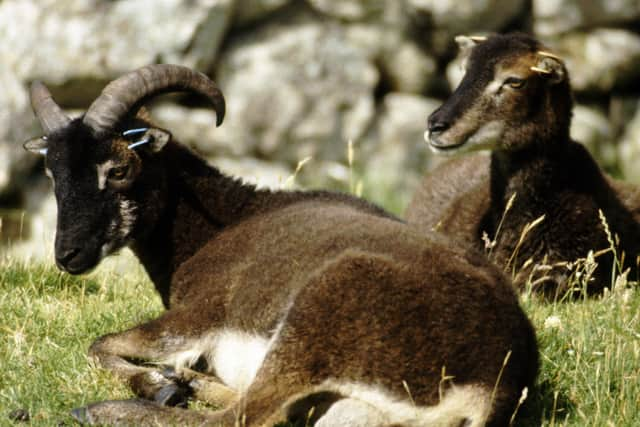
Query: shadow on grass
x=545 y=404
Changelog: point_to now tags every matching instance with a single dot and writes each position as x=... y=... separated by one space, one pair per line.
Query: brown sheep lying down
x=515 y=100
x=280 y=305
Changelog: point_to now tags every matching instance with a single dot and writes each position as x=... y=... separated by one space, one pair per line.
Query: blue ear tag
x=134 y=131
x=42 y=151
x=137 y=144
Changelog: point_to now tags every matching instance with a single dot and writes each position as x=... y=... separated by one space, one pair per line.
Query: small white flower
x=553 y=322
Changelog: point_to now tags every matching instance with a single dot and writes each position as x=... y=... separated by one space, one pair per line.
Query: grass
x=47 y=321
x=590 y=349
x=590 y=361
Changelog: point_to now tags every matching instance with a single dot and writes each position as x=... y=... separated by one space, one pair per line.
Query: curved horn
x=49 y=114
x=120 y=96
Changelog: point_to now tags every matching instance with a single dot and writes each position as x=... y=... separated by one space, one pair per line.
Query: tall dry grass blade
x=406 y=388
x=523 y=235
x=495 y=386
x=616 y=268
x=307 y=422
x=350 y=160
x=443 y=378
x=291 y=179
x=490 y=245
x=523 y=397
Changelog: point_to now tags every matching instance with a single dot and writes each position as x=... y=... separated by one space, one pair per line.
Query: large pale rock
x=295 y=90
x=591 y=127
x=88 y=40
x=455 y=72
x=408 y=68
x=349 y=9
x=452 y=17
x=196 y=127
x=601 y=60
x=629 y=149
x=404 y=64
x=17 y=124
x=559 y=16
x=249 y=11
x=381 y=29
x=273 y=175
x=396 y=154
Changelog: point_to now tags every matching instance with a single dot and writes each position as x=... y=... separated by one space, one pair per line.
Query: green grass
x=47 y=322
x=590 y=349
x=590 y=361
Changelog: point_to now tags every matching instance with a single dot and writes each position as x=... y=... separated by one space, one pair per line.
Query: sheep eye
x=118 y=173
x=515 y=82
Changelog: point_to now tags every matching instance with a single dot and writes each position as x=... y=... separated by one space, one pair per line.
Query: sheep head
x=107 y=166
x=514 y=94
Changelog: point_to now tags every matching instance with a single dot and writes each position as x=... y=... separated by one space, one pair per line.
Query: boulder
x=273 y=175
x=196 y=127
x=449 y=18
x=601 y=60
x=404 y=64
x=590 y=126
x=17 y=124
x=74 y=43
x=629 y=148
x=246 y=12
x=296 y=89
x=553 y=17
x=350 y=10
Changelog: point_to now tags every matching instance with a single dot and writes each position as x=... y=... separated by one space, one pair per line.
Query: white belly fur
x=237 y=356
x=233 y=356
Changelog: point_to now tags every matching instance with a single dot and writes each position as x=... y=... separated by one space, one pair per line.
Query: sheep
x=281 y=305
x=515 y=100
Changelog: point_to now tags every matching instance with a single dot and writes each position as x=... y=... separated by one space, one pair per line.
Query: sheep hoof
x=172 y=395
x=81 y=415
x=170 y=373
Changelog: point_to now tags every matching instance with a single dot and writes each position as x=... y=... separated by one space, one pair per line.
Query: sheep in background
x=280 y=305
x=515 y=100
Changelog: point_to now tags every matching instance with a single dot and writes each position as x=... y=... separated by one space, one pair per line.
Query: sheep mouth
x=439 y=146
x=487 y=137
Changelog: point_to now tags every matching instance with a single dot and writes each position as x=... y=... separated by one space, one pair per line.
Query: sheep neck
x=200 y=202
x=533 y=174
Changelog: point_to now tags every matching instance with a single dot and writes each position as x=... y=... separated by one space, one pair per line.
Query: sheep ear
x=159 y=138
x=153 y=139
x=37 y=145
x=466 y=45
x=551 y=67
x=468 y=42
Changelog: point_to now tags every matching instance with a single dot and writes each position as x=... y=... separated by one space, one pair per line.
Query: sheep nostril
x=63 y=257
x=437 y=127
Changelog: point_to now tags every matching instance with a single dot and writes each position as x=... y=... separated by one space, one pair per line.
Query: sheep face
x=512 y=95
x=109 y=181
x=107 y=190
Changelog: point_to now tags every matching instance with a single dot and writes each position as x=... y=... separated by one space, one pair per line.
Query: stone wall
x=302 y=78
